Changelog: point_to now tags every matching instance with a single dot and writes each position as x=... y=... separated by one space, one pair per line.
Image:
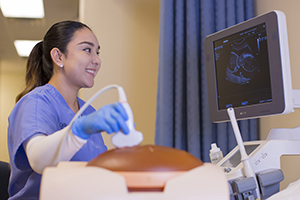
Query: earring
x=61 y=66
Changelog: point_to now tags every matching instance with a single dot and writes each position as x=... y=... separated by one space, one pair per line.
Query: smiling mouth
x=90 y=71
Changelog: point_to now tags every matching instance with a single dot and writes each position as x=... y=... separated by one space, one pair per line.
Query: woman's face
x=81 y=62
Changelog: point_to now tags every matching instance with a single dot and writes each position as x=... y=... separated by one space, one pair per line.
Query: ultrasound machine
x=248 y=73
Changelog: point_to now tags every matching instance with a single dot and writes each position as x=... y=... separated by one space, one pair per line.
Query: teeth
x=90 y=71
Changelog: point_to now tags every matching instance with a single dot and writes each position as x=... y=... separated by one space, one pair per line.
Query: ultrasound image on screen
x=242 y=69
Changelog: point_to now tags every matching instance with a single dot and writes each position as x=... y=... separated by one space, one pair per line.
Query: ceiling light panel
x=24 y=47
x=22 y=8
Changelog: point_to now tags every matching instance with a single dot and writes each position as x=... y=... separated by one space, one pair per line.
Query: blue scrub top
x=42 y=110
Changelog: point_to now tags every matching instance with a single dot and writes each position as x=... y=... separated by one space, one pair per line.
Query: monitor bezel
x=279 y=64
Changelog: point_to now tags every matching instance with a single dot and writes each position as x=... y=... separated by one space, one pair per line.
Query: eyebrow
x=89 y=43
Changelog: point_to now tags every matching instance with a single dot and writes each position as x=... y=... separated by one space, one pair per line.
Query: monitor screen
x=248 y=69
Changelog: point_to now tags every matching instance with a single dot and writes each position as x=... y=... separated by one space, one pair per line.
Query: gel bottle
x=215 y=154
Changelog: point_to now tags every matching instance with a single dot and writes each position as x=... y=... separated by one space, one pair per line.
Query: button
x=227 y=170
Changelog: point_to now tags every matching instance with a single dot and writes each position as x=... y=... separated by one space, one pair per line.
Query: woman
x=64 y=62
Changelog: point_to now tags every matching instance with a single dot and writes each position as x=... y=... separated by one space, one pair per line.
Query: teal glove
x=110 y=118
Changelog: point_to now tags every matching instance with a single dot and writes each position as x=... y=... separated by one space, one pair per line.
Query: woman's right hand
x=110 y=118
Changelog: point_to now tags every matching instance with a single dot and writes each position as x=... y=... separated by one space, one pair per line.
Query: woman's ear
x=57 y=56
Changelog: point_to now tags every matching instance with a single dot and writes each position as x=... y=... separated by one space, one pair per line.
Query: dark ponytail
x=39 y=67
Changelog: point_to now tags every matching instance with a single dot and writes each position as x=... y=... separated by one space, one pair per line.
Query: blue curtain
x=182 y=117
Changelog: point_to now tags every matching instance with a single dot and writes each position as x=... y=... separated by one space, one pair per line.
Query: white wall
x=291 y=10
x=128 y=33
